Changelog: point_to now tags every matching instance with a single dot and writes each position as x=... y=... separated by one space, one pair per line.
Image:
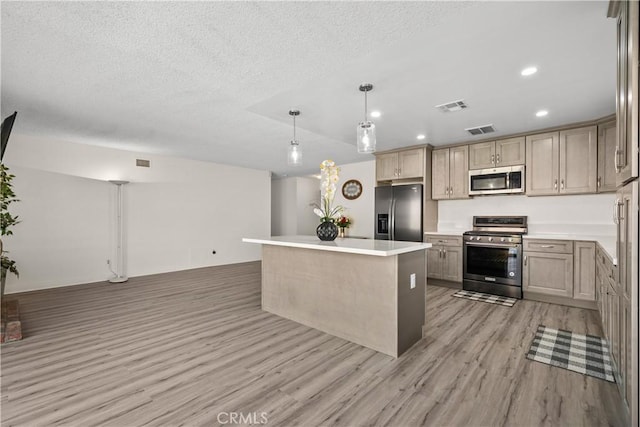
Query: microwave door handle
x=508 y=175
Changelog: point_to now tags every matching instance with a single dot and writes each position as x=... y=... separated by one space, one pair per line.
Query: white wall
x=584 y=214
x=291 y=197
x=284 y=214
x=360 y=210
x=307 y=193
x=177 y=212
x=291 y=213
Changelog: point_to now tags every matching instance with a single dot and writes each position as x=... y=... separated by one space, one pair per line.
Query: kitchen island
x=370 y=292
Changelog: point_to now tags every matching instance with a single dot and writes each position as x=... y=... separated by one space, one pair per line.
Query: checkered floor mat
x=586 y=354
x=492 y=299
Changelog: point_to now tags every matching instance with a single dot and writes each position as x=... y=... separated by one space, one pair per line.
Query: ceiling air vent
x=449 y=107
x=143 y=163
x=481 y=130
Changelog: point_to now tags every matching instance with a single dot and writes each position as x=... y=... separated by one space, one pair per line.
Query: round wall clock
x=352 y=189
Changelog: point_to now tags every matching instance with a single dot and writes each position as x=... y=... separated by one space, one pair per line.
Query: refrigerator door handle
x=392 y=220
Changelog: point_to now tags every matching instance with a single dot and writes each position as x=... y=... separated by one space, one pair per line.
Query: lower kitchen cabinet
x=548 y=273
x=612 y=322
x=563 y=268
x=444 y=258
x=584 y=262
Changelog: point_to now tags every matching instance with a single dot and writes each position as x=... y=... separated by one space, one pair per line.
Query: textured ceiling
x=214 y=81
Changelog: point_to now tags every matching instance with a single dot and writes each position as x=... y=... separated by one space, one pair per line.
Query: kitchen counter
x=346 y=245
x=370 y=292
x=444 y=233
x=607 y=243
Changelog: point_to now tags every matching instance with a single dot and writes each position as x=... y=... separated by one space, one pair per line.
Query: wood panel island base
x=370 y=292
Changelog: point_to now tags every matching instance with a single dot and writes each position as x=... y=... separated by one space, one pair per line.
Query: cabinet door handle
x=562 y=184
x=599 y=182
x=493 y=159
x=525 y=260
x=399 y=171
x=439 y=253
x=616 y=158
x=547 y=246
x=555 y=184
x=497 y=158
x=620 y=211
x=616 y=220
x=444 y=253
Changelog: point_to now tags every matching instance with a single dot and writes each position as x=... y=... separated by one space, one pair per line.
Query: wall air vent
x=143 y=163
x=449 y=107
x=481 y=130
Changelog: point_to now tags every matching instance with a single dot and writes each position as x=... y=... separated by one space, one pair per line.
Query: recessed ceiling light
x=421 y=137
x=375 y=114
x=542 y=113
x=529 y=71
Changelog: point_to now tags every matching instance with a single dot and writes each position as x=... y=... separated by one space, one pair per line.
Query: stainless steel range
x=493 y=255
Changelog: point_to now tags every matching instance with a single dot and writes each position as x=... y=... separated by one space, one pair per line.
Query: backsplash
x=580 y=214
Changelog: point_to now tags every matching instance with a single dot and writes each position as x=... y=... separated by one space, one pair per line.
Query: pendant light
x=294 y=157
x=366 y=130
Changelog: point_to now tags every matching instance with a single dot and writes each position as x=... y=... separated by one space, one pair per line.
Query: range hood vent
x=481 y=130
x=449 y=107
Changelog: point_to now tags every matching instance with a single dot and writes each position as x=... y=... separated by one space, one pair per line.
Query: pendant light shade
x=294 y=157
x=366 y=130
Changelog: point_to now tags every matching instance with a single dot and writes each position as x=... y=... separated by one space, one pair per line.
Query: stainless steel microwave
x=506 y=180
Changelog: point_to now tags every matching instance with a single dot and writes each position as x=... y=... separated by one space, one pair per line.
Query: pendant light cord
x=365 y=105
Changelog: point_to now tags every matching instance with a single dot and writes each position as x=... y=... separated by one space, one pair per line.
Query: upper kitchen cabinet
x=543 y=164
x=626 y=158
x=607 y=142
x=450 y=173
x=403 y=164
x=505 y=152
x=579 y=160
x=563 y=162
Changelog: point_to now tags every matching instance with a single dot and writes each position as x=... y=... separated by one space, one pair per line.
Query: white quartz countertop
x=345 y=245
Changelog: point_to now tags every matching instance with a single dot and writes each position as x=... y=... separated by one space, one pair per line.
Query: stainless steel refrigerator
x=398 y=213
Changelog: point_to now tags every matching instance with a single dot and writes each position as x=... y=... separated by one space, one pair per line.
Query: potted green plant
x=7 y=221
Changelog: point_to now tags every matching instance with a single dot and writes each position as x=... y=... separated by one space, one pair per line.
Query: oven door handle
x=495 y=245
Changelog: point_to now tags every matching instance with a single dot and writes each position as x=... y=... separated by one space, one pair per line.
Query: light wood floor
x=182 y=348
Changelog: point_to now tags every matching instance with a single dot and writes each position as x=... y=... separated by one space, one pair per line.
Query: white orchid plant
x=329 y=176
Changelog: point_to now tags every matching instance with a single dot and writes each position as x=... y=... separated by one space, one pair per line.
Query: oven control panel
x=493 y=239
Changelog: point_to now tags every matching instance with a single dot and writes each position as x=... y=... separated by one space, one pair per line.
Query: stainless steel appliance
x=492 y=255
x=506 y=180
x=398 y=213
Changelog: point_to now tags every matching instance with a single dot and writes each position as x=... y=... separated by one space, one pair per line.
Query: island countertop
x=346 y=245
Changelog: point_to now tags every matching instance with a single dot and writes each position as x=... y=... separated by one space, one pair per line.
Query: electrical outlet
x=413 y=280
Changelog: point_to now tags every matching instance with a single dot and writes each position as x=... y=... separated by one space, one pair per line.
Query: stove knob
x=478 y=238
x=491 y=239
x=502 y=239
x=510 y=239
x=470 y=238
